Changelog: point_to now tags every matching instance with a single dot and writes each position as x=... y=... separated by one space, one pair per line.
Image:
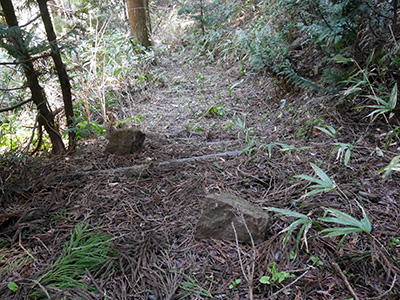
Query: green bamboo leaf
x=303 y=232
x=341 y=242
x=370 y=58
x=234 y=85
x=289 y=230
x=321 y=174
x=313 y=192
x=347 y=157
x=366 y=222
x=301 y=220
x=394 y=165
x=328 y=132
x=379 y=99
x=323 y=186
x=342 y=218
x=393 y=98
x=331 y=129
x=310 y=178
x=355 y=223
x=342 y=59
x=287 y=212
x=366 y=225
x=331 y=232
x=293 y=226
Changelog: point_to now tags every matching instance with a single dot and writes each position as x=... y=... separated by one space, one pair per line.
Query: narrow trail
x=192 y=110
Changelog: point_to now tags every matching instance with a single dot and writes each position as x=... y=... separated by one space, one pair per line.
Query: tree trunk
x=45 y=117
x=138 y=19
x=61 y=72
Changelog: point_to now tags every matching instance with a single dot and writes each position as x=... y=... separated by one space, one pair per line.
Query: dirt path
x=189 y=110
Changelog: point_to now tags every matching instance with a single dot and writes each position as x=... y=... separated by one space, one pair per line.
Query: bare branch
x=8 y=63
x=13 y=89
x=15 y=106
x=31 y=21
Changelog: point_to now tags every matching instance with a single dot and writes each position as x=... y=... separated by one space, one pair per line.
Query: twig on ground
x=290 y=284
x=387 y=292
x=42 y=288
x=250 y=274
x=22 y=247
x=346 y=282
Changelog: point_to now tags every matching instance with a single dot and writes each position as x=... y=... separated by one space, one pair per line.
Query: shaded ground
x=192 y=109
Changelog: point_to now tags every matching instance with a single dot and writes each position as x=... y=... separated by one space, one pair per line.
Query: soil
x=148 y=203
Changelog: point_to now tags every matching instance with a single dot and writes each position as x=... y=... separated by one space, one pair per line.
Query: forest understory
x=148 y=214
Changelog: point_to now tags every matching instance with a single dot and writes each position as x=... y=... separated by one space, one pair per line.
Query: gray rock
x=125 y=141
x=220 y=210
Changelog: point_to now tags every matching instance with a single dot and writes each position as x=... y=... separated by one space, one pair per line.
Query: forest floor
x=189 y=108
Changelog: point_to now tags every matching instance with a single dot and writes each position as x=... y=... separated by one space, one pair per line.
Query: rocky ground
x=149 y=203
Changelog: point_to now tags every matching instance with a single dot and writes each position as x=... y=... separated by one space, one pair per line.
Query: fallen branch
x=196 y=158
x=143 y=169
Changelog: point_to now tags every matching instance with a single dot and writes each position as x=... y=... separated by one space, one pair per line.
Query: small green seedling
x=275 y=277
x=317 y=262
x=394 y=242
x=12 y=286
x=192 y=286
x=137 y=120
x=343 y=152
x=233 y=86
x=234 y=283
x=215 y=111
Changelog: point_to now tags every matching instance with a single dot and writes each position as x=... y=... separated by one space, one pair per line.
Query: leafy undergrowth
x=117 y=231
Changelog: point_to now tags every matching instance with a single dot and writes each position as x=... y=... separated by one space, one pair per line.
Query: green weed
x=85 y=129
x=192 y=286
x=13 y=286
x=283 y=147
x=302 y=221
x=235 y=283
x=275 y=277
x=323 y=184
x=86 y=250
x=317 y=261
x=216 y=111
x=135 y=121
x=343 y=151
x=249 y=139
x=352 y=225
x=329 y=130
x=394 y=242
x=394 y=165
x=384 y=107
